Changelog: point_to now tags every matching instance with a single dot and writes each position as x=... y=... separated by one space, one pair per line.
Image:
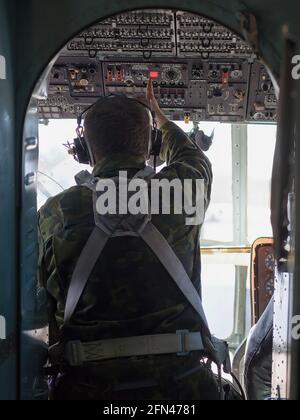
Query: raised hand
x=154 y=105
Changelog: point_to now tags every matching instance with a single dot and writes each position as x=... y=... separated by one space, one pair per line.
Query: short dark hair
x=118 y=125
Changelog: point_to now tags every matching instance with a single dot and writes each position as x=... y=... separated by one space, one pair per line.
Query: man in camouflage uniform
x=129 y=292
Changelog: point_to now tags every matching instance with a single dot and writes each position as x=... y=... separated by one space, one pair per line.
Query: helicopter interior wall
x=27 y=289
x=8 y=227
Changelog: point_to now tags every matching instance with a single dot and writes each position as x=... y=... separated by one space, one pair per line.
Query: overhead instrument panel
x=201 y=71
x=198 y=36
x=145 y=33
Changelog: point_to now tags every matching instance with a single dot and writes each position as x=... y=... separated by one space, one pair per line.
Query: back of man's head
x=118 y=125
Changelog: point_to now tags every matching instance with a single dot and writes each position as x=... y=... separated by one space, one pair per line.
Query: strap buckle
x=182 y=335
x=56 y=354
x=74 y=353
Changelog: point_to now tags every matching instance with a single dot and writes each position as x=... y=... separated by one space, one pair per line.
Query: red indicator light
x=153 y=74
x=225 y=77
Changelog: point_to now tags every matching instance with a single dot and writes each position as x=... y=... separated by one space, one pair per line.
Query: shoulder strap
x=166 y=255
x=147 y=173
x=83 y=177
x=84 y=267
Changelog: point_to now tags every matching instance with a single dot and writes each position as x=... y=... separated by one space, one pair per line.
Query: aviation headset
x=80 y=148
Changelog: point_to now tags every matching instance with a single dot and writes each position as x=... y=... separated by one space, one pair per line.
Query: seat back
x=258 y=358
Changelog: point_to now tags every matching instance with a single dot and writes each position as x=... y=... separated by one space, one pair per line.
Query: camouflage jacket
x=129 y=292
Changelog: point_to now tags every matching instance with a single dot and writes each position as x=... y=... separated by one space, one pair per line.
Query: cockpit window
x=261 y=146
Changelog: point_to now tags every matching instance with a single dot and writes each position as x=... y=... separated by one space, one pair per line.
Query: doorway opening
x=205 y=77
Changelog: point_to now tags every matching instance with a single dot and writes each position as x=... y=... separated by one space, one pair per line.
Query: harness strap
x=161 y=248
x=84 y=267
x=166 y=255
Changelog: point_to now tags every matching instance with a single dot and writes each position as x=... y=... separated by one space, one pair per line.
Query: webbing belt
x=181 y=343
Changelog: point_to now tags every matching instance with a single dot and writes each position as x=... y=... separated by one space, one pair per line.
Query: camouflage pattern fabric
x=129 y=292
x=198 y=384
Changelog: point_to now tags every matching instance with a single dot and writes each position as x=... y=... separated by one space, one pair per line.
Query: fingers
x=150 y=90
x=161 y=119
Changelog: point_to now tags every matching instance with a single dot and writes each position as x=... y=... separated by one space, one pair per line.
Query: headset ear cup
x=82 y=154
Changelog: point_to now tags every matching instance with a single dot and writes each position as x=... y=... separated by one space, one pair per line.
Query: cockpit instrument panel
x=262 y=276
x=201 y=71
